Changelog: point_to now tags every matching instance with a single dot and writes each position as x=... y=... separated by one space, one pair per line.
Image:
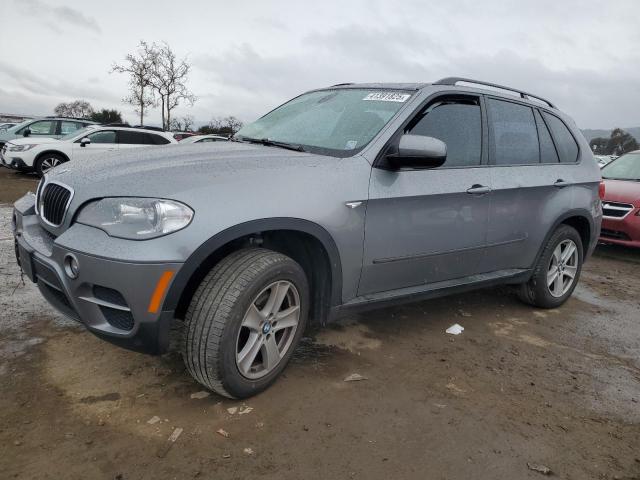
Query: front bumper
x=622 y=231
x=7 y=159
x=112 y=298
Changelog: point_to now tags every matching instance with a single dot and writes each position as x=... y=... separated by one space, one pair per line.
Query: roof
x=453 y=82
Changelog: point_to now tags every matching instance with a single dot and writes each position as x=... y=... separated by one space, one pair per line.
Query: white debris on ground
x=355 y=377
x=199 y=395
x=455 y=329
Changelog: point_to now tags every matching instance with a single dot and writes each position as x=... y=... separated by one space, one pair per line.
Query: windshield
x=334 y=122
x=626 y=167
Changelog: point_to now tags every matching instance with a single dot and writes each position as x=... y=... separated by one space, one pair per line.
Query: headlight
x=136 y=218
x=21 y=148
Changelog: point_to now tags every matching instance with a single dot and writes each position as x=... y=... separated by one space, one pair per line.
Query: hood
x=623 y=191
x=32 y=140
x=176 y=171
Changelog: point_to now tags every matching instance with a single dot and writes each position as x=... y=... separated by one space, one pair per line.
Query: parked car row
x=42 y=154
x=41 y=144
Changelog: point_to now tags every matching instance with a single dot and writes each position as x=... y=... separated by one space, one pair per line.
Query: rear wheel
x=47 y=161
x=244 y=322
x=556 y=274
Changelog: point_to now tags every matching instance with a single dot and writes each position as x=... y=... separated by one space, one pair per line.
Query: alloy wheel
x=563 y=268
x=268 y=329
x=49 y=163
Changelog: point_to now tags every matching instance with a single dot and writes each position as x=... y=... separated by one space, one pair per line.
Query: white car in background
x=42 y=154
x=203 y=139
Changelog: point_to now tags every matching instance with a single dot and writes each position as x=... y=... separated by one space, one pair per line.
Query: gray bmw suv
x=342 y=198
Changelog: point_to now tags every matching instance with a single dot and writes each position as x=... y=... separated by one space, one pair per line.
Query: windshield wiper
x=274 y=143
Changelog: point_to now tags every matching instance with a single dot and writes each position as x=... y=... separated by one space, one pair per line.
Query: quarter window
x=458 y=123
x=157 y=139
x=548 y=152
x=513 y=137
x=567 y=146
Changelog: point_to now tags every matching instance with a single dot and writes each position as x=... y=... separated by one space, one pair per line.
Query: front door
x=427 y=226
x=100 y=142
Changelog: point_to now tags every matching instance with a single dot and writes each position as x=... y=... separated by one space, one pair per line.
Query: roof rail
x=525 y=95
x=342 y=84
x=64 y=117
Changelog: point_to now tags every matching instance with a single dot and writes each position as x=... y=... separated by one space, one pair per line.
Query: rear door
x=426 y=226
x=101 y=141
x=528 y=181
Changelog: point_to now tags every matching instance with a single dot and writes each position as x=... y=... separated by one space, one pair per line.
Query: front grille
x=53 y=203
x=616 y=209
x=605 y=232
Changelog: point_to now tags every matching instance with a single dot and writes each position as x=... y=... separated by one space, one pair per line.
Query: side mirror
x=85 y=141
x=418 y=151
x=26 y=132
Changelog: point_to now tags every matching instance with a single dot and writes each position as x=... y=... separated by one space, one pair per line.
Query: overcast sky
x=249 y=56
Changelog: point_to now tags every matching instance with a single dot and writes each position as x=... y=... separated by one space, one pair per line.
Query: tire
x=47 y=161
x=229 y=298
x=538 y=291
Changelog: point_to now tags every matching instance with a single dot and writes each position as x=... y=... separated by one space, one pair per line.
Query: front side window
x=336 y=122
x=513 y=137
x=103 y=136
x=157 y=139
x=567 y=146
x=43 y=127
x=458 y=123
x=627 y=167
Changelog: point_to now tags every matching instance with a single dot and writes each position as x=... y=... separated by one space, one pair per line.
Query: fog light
x=71 y=266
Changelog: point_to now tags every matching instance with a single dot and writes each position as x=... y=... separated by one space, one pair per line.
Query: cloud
x=51 y=15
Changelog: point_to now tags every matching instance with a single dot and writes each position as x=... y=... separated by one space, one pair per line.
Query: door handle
x=560 y=183
x=478 y=189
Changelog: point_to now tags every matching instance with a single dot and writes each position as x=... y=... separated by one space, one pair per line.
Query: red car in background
x=621 y=204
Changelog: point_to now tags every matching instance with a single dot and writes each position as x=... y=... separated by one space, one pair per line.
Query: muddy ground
x=555 y=388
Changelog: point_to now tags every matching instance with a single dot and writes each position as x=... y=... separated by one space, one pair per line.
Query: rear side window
x=133 y=138
x=69 y=127
x=567 y=146
x=513 y=136
x=459 y=125
x=548 y=152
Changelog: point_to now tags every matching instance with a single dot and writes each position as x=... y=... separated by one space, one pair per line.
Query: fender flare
x=576 y=212
x=247 y=228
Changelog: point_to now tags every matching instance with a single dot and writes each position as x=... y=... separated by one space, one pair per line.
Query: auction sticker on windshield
x=388 y=97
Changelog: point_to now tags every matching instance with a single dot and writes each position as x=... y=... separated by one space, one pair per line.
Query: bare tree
x=140 y=67
x=77 y=108
x=169 y=78
x=222 y=126
x=182 y=124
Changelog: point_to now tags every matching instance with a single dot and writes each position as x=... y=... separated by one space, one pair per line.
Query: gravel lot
x=520 y=388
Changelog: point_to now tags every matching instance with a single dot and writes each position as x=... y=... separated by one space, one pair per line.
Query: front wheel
x=47 y=161
x=556 y=274
x=244 y=322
